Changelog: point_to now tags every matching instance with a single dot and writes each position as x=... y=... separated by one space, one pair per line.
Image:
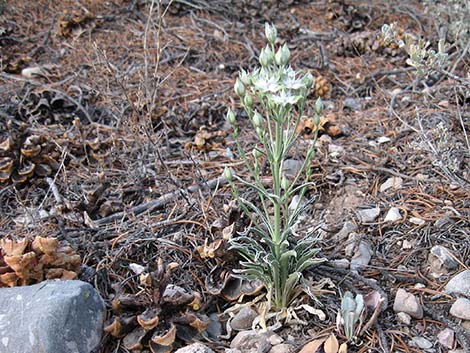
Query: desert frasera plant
x=274 y=97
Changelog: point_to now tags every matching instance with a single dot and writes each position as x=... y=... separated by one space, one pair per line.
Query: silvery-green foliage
x=274 y=97
x=423 y=58
x=351 y=311
x=454 y=15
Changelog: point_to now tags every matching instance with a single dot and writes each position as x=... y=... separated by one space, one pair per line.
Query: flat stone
x=393 y=215
x=446 y=337
x=348 y=228
x=459 y=284
x=391 y=183
x=417 y=221
x=243 y=319
x=352 y=104
x=421 y=342
x=291 y=167
x=404 y=318
x=341 y=263
x=461 y=309
x=51 y=317
x=251 y=341
x=361 y=257
x=195 y=348
x=335 y=150
x=407 y=303
x=441 y=261
x=282 y=348
x=369 y=215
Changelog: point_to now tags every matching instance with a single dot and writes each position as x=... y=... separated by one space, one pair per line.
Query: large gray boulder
x=51 y=317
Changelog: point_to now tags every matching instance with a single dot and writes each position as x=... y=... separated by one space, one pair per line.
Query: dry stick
x=158 y=203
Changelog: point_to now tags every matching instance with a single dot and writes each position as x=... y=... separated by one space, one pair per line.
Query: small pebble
x=417 y=221
x=421 y=342
x=243 y=319
x=461 y=309
x=441 y=261
x=362 y=256
x=407 y=303
x=391 y=183
x=393 y=215
x=459 y=284
x=446 y=337
x=369 y=215
x=404 y=318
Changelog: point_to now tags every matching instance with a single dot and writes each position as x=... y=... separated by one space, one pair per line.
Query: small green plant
x=423 y=58
x=274 y=98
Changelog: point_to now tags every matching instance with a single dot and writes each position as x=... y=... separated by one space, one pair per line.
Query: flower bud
x=256 y=153
x=260 y=132
x=308 y=80
x=284 y=183
x=269 y=54
x=318 y=106
x=239 y=88
x=257 y=120
x=245 y=78
x=263 y=58
x=316 y=120
x=228 y=174
x=231 y=117
x=283 y=55
x=271 y=32
x=248 y=101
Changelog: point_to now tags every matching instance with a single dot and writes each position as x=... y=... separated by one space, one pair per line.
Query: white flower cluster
x=275 y=81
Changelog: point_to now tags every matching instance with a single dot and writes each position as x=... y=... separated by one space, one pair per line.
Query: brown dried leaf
x=42 y=245
x=343 y=348
x=134 y=340
x=12 y=247
x=313 y=346
x=10 y=279
x=149 y=319
x=331 y=344
x=166 y=338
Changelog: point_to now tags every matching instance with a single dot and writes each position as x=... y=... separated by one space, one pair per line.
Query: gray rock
x=417 y=221
x=51 y=317
x=348 y=228
x=466 y=325
x=352 y=104
x=291 y=167
x=282 y=348
x=459 y=284
x=251 y=342
x=393 y=215
x=243 y=319
x=335 y=150
x=447 y=338
x=404 y=318
x=421 y=342
x=195 y=348
x=407 y=303
x=443 y=221
x=361 y=257
x=369 y=215
x=341 y=263
x=461 y=309
x=391 y=183
x=441 y=261
x=275 y=339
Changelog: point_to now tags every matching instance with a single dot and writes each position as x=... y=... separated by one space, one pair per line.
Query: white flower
x=266 y=84
x=285 y=97
x=289 y=81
